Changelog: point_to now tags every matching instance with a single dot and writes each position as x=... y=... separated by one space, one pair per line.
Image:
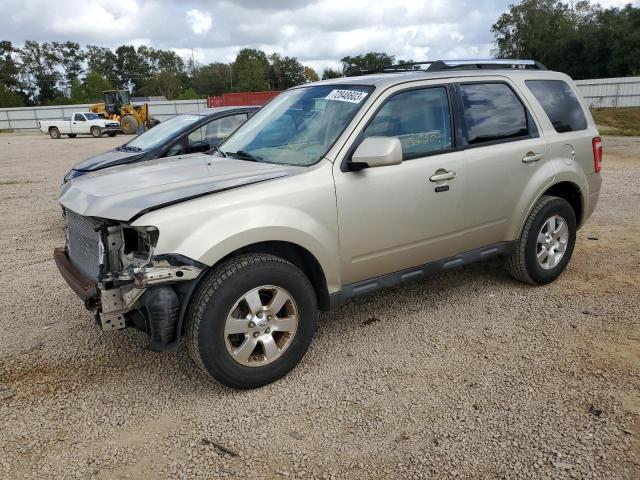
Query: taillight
x=597 y=153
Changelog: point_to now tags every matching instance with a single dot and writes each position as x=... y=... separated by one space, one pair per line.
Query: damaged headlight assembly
x=137 y=286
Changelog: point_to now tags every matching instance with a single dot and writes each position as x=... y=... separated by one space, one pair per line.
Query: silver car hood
x=128 y=191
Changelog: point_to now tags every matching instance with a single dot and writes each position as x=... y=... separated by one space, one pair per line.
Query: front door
x=400 y=216
x=79 y=124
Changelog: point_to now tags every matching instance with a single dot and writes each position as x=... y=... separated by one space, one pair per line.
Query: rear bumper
x=84 y=287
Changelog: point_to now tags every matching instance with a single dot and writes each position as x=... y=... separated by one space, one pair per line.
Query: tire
x=523 y=264
x=215 y=299
x=72 y=135
x=129 y=125
x=153 y=121
x=112 y=134
x=96 y=132
x=55 y=133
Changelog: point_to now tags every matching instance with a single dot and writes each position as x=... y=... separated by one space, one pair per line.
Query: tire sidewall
x=211 y=340
x=560 y=207
x=96 y=132
x=54 y=133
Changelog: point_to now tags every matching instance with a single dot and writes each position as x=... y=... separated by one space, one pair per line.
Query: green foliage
x=285 y=72
x=580 y=39
x=367 y=61
x=251 y=71
x=164 y=83
x=330 y=73
x=9 y=98
x=188 y=94
x=212 y=79
x=310 y=75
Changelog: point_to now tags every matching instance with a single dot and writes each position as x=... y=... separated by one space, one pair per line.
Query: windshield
x=299 y=126
x=91 y=116
x=162 y=132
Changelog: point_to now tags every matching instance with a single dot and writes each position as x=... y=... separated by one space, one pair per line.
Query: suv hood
x=129 y=191
x=108 y=159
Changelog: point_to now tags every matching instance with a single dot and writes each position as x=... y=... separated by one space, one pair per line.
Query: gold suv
x=334 y=189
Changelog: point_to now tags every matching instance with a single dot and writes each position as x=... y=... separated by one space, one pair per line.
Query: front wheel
x=96 y=132
x=112 y=134
x=546 y=244
x=251 y=320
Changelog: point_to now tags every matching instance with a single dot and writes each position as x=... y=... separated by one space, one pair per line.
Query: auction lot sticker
x=351 y=96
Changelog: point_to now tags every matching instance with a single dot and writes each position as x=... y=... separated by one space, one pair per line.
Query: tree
x=102 y=61
x=71 y=58
x=328 y=73
x=309 y=75
x=164 y=83
x=90 y=90
x=188 y=94
x=285 y=72
x=250 y=71
x=8 y=66
x=39 y=72
x=131 y=68
x=212 y=79
x=364 y=62
x=9 y=98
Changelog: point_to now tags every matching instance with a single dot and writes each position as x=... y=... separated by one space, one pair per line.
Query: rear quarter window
x=492 y=113
x=560 y=104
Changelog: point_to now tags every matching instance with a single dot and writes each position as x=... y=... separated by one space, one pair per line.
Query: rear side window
x=420 y=119
x=560 y=104
x=492 y=112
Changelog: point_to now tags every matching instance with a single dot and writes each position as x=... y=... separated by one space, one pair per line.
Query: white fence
x=26 y=118
x=610 y=92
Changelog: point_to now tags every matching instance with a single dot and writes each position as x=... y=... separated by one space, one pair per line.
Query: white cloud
x=200 y=22
x=318 y=32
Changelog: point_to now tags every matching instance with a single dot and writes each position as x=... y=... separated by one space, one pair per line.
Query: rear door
x=504 y=150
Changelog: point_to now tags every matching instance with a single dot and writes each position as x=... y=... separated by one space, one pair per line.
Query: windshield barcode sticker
x=351 y=96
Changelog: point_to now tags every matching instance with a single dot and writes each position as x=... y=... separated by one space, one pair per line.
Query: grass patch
x=618 y=121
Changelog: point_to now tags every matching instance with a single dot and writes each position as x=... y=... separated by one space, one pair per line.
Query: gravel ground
x=467 y=375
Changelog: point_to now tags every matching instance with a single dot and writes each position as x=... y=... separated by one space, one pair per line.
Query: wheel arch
x=570 y=192
x=295 y=254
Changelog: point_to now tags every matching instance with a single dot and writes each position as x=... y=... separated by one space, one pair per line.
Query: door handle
x=531 y=157
x=442 y=174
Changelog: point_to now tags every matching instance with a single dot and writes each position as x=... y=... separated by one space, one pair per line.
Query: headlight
x=138 y=245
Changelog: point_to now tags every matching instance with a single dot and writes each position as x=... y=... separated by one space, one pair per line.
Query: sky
x=317 y=32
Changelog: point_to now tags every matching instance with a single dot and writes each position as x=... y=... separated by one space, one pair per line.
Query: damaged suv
x=334 y=189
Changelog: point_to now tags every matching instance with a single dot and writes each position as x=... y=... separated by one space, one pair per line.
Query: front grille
x=83 y=243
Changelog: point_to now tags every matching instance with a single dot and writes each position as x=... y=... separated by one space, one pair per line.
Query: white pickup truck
x=80 y=123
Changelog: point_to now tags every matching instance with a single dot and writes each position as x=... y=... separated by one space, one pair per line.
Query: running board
x=418 y=273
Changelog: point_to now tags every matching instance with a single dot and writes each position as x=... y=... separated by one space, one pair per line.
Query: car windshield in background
x=160 y=133
x=297 y=127
x=92 y=116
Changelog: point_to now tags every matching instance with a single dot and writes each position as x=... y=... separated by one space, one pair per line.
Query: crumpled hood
x=128 y=191
x=108 y=159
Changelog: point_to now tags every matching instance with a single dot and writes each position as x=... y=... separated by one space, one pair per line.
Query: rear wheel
x=54 y=133
x=251 y=320
x=153 y=121
x=546 y=243
x=129 y=125
x=96 y=132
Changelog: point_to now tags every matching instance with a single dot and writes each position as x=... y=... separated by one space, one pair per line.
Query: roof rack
x=439 y=65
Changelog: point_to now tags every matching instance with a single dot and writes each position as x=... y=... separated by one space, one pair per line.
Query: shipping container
x=240 y=98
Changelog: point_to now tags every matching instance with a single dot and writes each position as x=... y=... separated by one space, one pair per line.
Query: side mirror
x=376 y=152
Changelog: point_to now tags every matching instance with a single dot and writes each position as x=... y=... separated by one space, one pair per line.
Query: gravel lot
x=467 y=375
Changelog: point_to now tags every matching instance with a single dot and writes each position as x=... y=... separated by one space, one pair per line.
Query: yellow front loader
x=117 y=106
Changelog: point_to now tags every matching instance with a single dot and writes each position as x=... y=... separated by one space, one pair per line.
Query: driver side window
x=420 y=119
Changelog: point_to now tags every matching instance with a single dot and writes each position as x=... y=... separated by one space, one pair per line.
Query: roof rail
x=439 y=65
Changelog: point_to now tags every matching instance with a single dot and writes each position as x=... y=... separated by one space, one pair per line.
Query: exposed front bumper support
x=84 y=287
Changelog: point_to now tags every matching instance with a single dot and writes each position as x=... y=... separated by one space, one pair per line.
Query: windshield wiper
x=244 y=155
x=216 y=149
